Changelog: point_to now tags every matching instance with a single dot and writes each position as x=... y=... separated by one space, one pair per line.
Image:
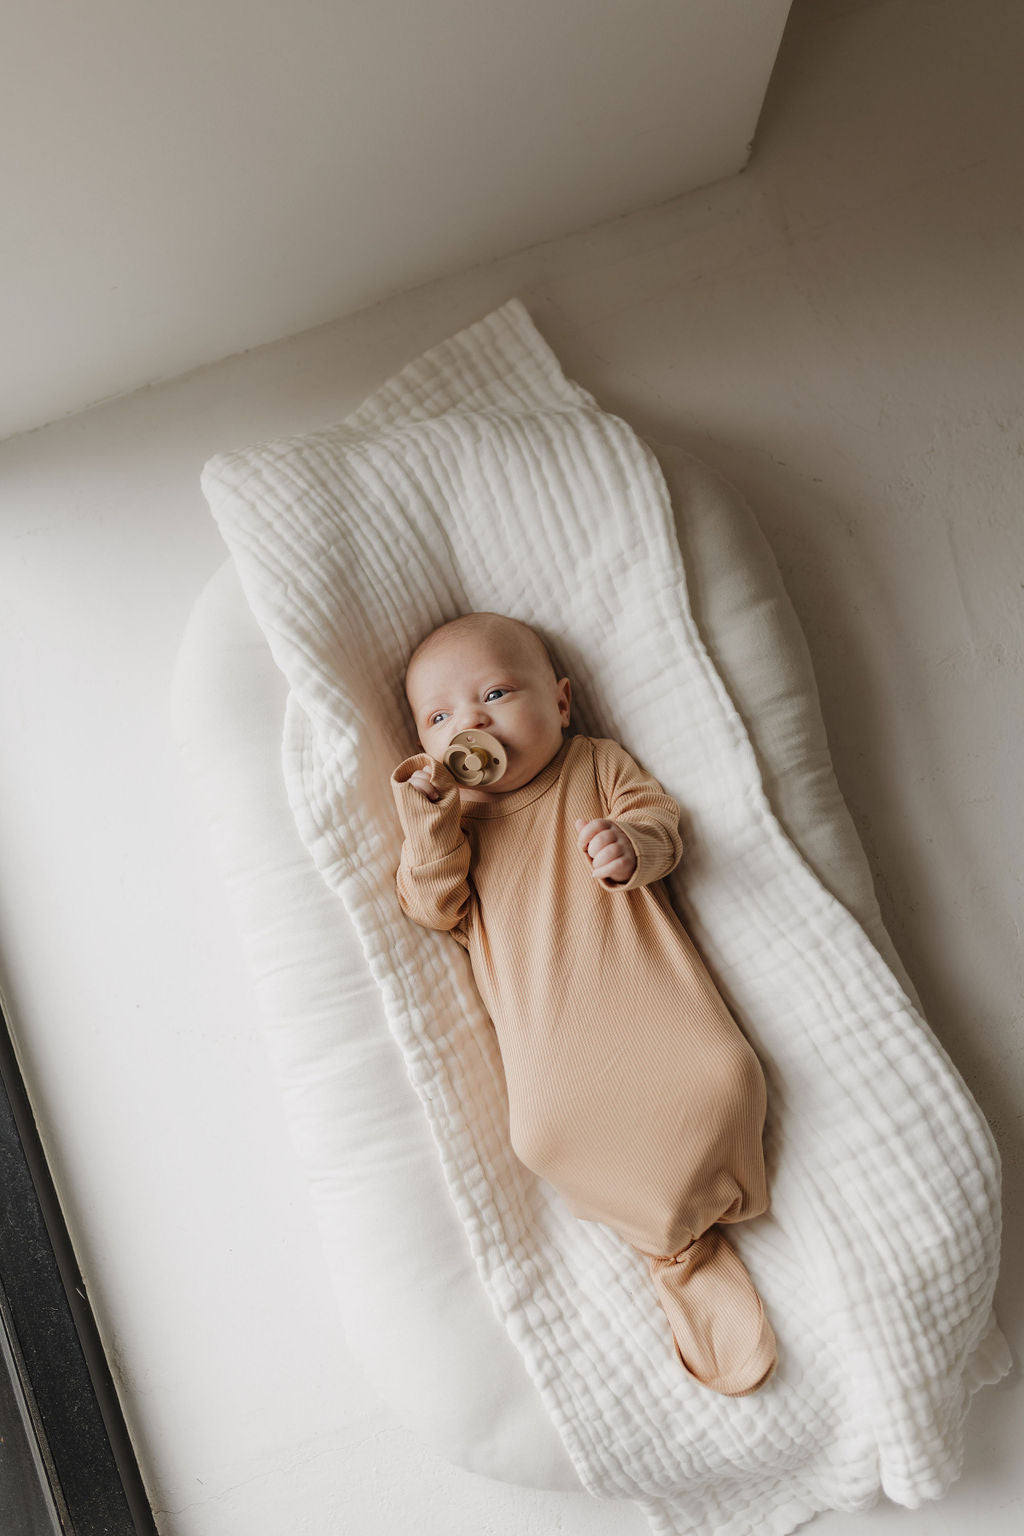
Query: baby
x=631 y=1088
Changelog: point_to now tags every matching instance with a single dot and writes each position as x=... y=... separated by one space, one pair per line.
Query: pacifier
x=475 y=757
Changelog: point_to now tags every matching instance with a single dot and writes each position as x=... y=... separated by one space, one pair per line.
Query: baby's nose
x=475 y=719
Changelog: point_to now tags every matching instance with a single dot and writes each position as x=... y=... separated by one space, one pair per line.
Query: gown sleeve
x=648 y=816
x=433 y=875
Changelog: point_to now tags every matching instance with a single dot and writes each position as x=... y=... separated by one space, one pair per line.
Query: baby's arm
x=640 y=809
x=432 y=878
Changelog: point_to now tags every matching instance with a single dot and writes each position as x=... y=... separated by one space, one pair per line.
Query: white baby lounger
x=493 y=1363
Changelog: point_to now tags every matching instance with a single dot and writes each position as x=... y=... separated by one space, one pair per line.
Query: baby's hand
x=421 y=780
x=611 y=854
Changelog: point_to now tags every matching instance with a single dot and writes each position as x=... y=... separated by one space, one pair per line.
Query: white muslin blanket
x=481 y=478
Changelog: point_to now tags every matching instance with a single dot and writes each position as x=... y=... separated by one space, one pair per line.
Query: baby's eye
x=436 y=716
x=494 y=690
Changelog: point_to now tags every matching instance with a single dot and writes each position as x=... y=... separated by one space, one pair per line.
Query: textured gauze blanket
x=479 y=477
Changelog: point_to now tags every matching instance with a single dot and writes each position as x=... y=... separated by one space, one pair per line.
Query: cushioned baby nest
x=465 y=1367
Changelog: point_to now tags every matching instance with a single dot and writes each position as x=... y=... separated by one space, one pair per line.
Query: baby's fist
x=421 y=780
x=611 y=854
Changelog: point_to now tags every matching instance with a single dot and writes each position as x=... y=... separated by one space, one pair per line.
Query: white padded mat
x=350 y=543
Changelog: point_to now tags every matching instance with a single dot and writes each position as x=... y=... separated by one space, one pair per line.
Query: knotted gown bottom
x=664 y=1169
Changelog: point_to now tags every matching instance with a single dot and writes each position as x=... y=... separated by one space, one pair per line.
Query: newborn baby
x=631 y=1088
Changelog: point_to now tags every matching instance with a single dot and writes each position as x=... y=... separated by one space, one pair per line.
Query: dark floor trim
x=84 y=1442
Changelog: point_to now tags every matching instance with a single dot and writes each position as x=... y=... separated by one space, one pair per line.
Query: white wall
x=841 y=330
x=185 y=181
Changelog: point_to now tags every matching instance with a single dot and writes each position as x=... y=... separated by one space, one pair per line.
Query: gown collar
x=505 y=805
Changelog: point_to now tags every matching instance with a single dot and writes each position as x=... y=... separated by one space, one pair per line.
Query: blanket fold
x=481 y=478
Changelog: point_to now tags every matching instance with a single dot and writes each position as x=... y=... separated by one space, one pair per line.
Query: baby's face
x=475 y=683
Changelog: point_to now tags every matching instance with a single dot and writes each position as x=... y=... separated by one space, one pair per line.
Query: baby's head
x=486 y=672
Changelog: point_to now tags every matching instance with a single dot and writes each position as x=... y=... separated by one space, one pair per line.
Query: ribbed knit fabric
x=631 y=1088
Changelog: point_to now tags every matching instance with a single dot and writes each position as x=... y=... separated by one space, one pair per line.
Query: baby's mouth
x=477 y=759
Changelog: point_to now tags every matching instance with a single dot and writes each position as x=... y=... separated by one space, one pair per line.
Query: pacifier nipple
x=475 y=757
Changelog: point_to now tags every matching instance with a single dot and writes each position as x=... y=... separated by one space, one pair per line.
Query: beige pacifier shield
x=475 y=757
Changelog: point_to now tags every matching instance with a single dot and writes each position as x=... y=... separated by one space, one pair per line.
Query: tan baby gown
x=631 y=1088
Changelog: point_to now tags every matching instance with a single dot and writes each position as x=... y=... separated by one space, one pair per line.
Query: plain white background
x=840 y=329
